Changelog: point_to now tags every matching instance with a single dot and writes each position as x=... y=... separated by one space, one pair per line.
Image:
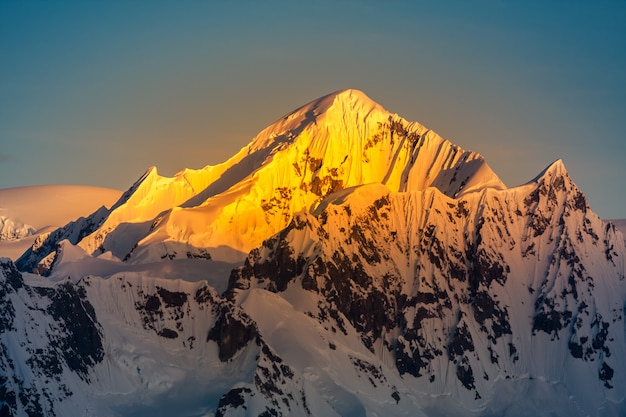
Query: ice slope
x=133 y=345
x=511 y=302
x=338 y=141
x=114 y=347
x=27 y=212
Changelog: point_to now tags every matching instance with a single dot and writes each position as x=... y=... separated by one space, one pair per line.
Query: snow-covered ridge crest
x=341 y=140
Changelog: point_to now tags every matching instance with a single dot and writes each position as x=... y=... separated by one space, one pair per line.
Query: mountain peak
x=555 y=169
x=356 y=101
x=353 y=95
x=347 y=95
x=349 y=104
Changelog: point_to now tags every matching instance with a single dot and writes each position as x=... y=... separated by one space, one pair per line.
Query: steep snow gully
x=346 y=262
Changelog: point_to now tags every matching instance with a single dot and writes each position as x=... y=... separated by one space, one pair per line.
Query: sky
x=95 y=92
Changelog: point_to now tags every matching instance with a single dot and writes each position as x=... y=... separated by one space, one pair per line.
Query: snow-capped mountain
x=222 y=212
x=388 y=272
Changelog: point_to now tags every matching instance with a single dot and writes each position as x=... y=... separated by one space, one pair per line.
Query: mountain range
x=346 y=262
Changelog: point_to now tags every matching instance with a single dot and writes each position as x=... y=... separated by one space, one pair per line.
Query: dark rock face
x=162 y=309
x=277 y=383
x=273 y=380
x=168 y=333
x=231 y=332
x=12 y=282
x=167 y=314
x=233 y=399
x=282 y=266
x=62 y=337
x=606 y=374
x=80 y=341
x=375 y=375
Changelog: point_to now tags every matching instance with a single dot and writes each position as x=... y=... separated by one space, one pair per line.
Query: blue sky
x=95 y=92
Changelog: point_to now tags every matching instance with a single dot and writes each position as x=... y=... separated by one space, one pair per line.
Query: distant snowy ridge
x=28 y=212
x=46 y=206
x=14 y=230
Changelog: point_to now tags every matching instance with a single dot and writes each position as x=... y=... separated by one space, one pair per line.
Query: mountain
x=222 y=212
x=345 y=263
x=26 y=213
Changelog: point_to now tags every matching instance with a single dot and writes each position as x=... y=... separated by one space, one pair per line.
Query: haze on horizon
x=96 y=92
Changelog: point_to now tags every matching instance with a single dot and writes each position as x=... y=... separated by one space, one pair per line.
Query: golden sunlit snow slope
x=338 y=141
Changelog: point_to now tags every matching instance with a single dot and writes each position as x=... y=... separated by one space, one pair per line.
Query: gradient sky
x=95 y=92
